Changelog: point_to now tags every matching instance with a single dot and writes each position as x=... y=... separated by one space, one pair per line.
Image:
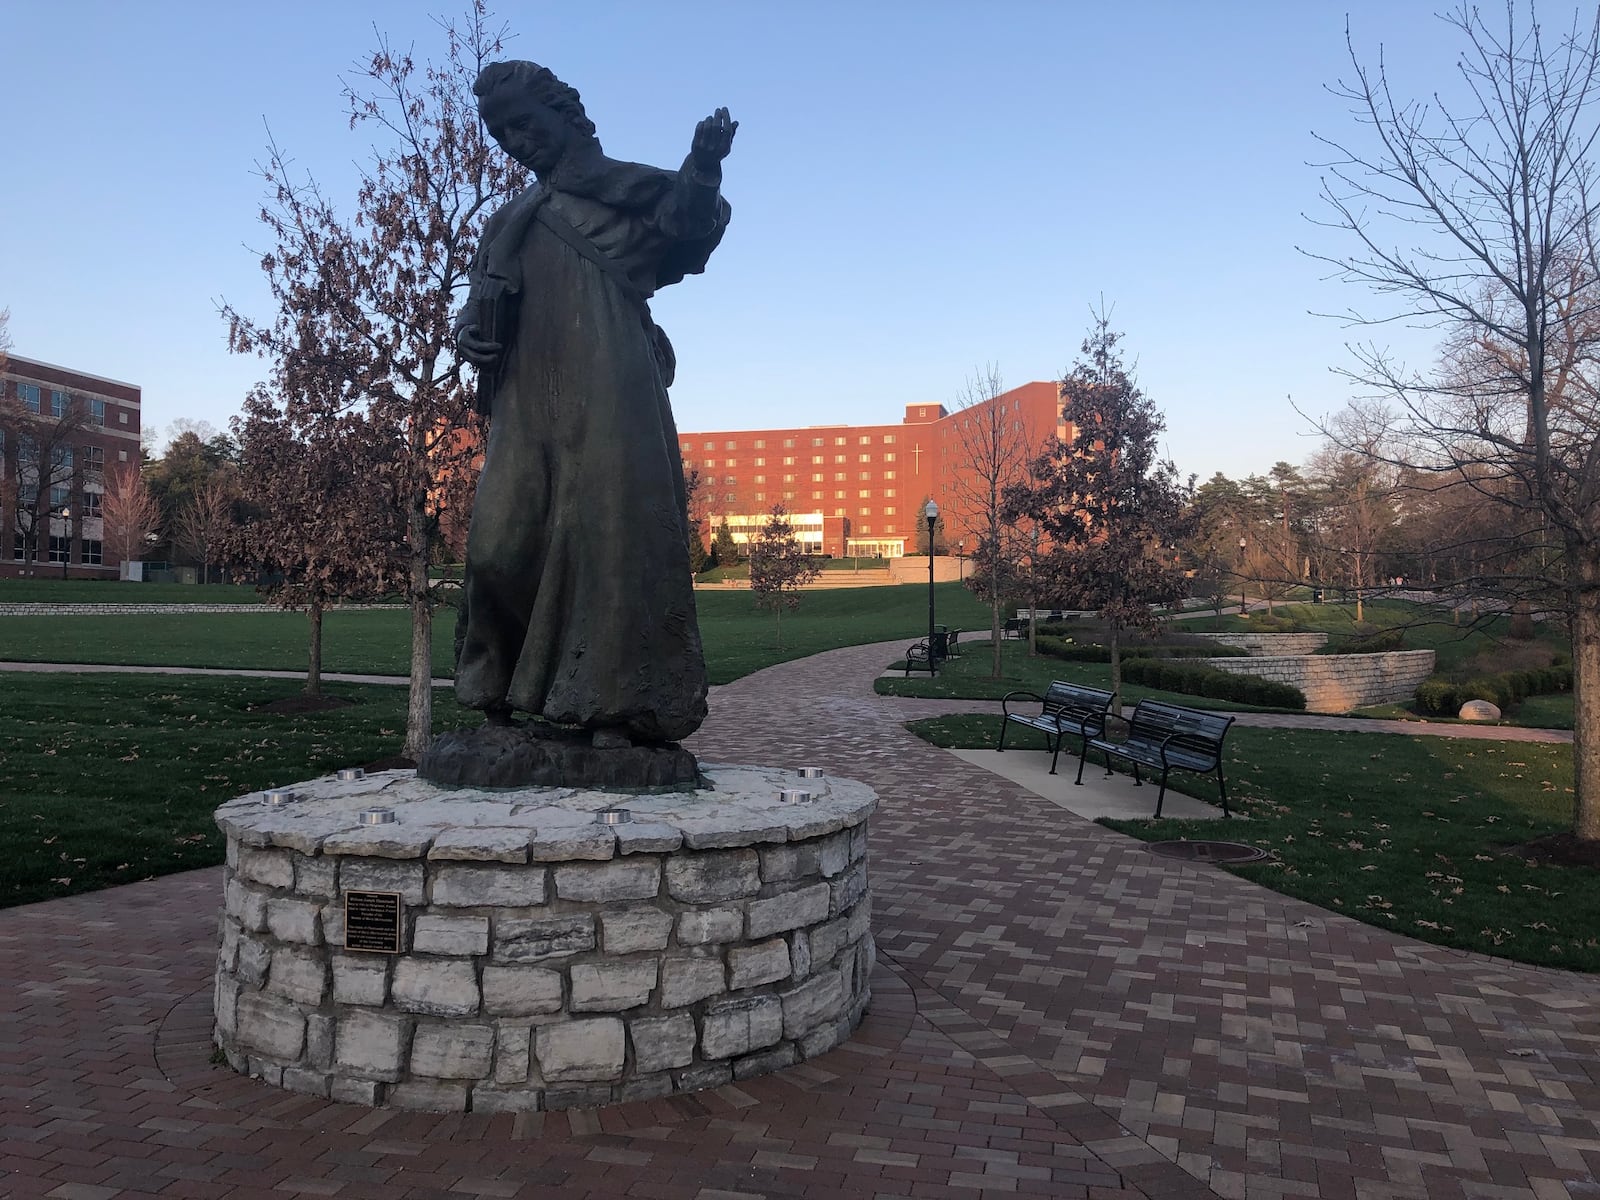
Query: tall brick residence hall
x=61 y=431
x=858 y=489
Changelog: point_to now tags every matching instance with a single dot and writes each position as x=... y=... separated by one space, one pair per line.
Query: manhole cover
x=1217 y=852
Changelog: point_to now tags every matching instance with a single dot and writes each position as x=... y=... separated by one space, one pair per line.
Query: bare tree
x=779 y=567
x=1479 y=219
x=365 y=304
x=992 y=450
x=5 y=339
x=202 y=524
x=46 y=430
x=130 y=515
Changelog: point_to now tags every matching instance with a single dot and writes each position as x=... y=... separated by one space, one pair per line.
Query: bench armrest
x=1005 y=701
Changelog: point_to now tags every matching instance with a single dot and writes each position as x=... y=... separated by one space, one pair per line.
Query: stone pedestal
x=545 y=960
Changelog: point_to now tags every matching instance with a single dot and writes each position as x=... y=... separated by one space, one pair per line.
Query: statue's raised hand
x=713 y=138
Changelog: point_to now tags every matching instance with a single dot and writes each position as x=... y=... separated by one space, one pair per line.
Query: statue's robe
x=578 y=601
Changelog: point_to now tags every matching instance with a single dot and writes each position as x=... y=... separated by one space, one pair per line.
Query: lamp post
x=961 y=561
x=66 y=538
x=930 y=511
x=1243 y=608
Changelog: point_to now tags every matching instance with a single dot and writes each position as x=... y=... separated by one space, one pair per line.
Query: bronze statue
x=578 y=601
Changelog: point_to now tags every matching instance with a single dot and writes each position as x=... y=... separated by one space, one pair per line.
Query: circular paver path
x=1058 y=1014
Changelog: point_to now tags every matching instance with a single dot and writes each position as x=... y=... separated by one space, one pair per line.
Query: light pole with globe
x=930 y=510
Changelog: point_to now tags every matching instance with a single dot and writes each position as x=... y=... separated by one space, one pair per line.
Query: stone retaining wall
x=1335 y=683
x=546 y=965
x=1263 y=644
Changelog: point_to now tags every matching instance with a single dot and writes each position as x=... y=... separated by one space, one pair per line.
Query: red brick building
x=62 y=429
x=857 y=489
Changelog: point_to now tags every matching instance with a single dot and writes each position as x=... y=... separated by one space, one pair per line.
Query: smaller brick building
x=61 y=431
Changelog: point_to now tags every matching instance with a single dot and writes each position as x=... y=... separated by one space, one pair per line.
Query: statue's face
x=530 y=132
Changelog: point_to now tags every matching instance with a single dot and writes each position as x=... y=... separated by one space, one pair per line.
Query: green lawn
x=1406 y=833
x=738 y=637
x=113 y=778
x=968 y=678
x=45 y=590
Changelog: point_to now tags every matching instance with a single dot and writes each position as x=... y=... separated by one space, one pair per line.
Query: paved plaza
x=1056 y=1013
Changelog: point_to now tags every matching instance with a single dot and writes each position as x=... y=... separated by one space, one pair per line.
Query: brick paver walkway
x=1057 y=1014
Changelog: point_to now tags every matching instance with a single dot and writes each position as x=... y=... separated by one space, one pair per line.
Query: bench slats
x=1164 y=737
x=1065 y=708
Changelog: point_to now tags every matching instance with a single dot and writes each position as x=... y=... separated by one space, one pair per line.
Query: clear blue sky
x=918 y=188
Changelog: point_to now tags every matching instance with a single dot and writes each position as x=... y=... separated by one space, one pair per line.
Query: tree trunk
x=419 y=713
x=1585 y=700
x=314 y=654
x=995 y=667
x=1116 y=668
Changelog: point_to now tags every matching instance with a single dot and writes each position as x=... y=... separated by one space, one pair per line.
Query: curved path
x=1057 y=1014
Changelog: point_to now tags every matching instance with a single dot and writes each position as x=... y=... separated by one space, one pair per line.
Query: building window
x=58 y=404
x=888 y=474
x=91 y=504
x=816 y=495
x=889 y=457
x=93 y=553
x=888 y=491
x=866 y=439
x=761 y=478
x=817 y=441
x=94 y=463
x=817 y=478
x=730 y=480
x=863 y=528
x=761 y=497
x=732 y=462
x=788 y=495
x=816 y=460
x=888 y=439
x=59 y=549
x=710 y=446
x=889 y=512
x=729 y=498
x=864 y=494
x=838 y=441
x=866 y=512
x=788 y=478
x=788 y=460
x=863 y=458
x=761 y=462
x=840 y=476
x=730 y=445
x=59 y=495
x=838 y=458
x=28 y=393
x=788 y=443
x=838 y=495
x=122 y=456
x=761 y=443
x=838 y=512
x=19 y=548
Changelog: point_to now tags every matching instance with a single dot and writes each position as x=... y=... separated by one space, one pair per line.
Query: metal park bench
x=1064 y=708
x=1166 y=737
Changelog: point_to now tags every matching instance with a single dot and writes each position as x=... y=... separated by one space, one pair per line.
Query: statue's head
x=533 y=115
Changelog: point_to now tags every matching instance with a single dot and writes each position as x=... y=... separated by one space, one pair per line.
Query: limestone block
x=817 y=1001
x=440 y=987
x=645 y=1087
x=735 y=1027
x=360 y=978
x=626 y=879
x=799 y=954
x=319 y=1041
x=372 y=1044
x=1479 y=710
x=792 y=860
x=860 y=919
x=316 y=876
x=848 y=888
x=577 y=1095
x=788 y=911
x=265 y=1070
x=292 y=920
x=633 y=929
x=688 y=979
x=299 y=974
x=436 y=933
x=521 y=940
x=333 y=923
x=660 y=1043
x=714 y=876
x=648 y=837
x=764 y=962
x=383 y=875
x=696 y=927
x=611 y=986
x=271 y=1026
x=224 y=999
x=520 y=991
x=452 y=1050
x=430 y=1095
x=368 y=1092
x=254 y=959
x=705 y=1075
x=245 y=905
x=512 y=1046
x=497 y=887
x=581 y=1051
x=591 y=842
x=479 y=843
x=396 y=841
x=305 y=1081
x=858 y=842
x=489 y=1099
x=269 y=868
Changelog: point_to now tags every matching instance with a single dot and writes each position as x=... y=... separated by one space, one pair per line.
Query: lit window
x=888 y=474
x=838 y=495
x=728 y=497
x=864 y=528
x=889 y=457
x=711 y=446
x=888 y=439
x=761 y=497
x=730 y=445
x=816 y=495
x=866 y=512
x=788 y=495
x=729 y=480
x=816 y=441
x=864 y=494
x=761 y=478
x=838 y=458
x=817 y=478
x=888 y=491
x=889 y=512
x=816 y=460
x=788 y=478
x=865 y=475
x=761 y=443
x=788 y=460
x=840 y=476
x=866 y=439
x=761 y=462
x=838 y=441
x=788 y=443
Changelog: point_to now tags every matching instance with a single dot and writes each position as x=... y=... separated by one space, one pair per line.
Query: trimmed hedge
x=1382 y=642
x=1195 y=680
x=1441 y=698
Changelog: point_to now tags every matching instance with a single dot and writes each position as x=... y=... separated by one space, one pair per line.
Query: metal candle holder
x=278 y=797
x=350 y=774
x=809 y=772
x=613 y=816
x=795 y=796
x=377 y=816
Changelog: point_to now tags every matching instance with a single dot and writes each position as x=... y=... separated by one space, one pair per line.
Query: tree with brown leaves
x=365 y=302
x=130 y=515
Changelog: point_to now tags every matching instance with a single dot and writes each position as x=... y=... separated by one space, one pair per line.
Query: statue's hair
x=541 y=82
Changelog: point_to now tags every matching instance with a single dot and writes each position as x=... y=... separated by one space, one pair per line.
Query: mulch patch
x=1562 y=849
x=393 y=763
x=294 y=705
